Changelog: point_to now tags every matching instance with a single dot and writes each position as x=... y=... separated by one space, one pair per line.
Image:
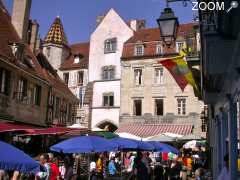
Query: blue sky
x=79 y=16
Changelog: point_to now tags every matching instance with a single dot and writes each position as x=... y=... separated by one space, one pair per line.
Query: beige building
x=28 y=82
x=150 y=97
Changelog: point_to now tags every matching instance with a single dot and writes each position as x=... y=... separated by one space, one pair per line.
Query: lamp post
x=168 y=26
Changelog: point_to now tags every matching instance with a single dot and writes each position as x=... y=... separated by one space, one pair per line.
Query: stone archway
x=107 y=125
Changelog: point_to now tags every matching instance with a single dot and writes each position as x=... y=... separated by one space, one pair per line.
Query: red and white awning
x=146 y=130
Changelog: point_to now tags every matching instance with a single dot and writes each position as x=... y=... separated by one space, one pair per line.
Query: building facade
x=220 y=86
x=26 y=79
x=106 y=44
x=71 y=64
x=149 y=93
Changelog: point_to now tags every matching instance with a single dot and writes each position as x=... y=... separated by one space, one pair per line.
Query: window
x=37 y=95
x=48 y=51
x=159 y=107
x=4 y=81
x=179 y=46
x=66 y=77
x=21 y=94
x=139 y=50
x=158 y=77
x=181 y=106
x=76 y=58
x=108 y=99
x=80 y=78
x=159 y=49
x=110 y=45
x=108 y=72
x=57 y=107
x=138 y=76
x=137 y=107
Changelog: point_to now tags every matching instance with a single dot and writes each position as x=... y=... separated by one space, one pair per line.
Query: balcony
x=169 y=118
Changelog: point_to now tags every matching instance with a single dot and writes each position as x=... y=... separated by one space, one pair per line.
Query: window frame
x=135 y=113
x=78 y=78
x=159 y=46
x=181 y=106
x=64 y=77
x=159 y=80
x=177 y=45
x=108 y=72
x=110 y=45
x=138 y=79
x=5 y=77
x=155 y=106
x=109 y=97
x=136 y=51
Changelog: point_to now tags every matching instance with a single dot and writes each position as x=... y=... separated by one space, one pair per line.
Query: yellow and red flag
x=180 y=71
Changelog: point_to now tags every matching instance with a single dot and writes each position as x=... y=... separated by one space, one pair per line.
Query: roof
x=147 y=130
x=56 y=33
x=9 y=35
x=80 y=49
x=51 y=75
x=150 y=37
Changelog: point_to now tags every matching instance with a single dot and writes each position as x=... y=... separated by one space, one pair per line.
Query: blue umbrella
x=162 y=147
x=125 y=143
x=12 y=158
x=85 y=144
x=144 y=146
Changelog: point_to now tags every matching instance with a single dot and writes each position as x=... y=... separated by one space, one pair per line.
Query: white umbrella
x=193 y=144
x=173 y=135
x=129 y=136
x=96 y=129
x=76 y=126
x=160 y=138
x=190 y=137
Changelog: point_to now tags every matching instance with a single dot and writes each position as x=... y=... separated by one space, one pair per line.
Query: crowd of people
x=130 y=165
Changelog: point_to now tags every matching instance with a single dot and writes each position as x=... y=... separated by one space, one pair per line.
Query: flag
x=180 y=71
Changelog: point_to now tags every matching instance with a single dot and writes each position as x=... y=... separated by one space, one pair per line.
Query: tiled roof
x=81 y=49
x=56 y=33
x=150 y=37
x=52 y=77
x=9 y=35
x=147 y=130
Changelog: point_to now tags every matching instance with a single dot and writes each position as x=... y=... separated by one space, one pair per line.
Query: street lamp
x=168 y=26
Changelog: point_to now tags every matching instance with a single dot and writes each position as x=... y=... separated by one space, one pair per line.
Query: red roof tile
x=147 y=130
x=81 y=49
x=150 y=38
x=8 y=35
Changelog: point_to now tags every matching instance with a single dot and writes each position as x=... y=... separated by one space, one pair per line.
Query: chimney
x=20 y=17
x=136 y=24
x=99 y=19
x=33 y=34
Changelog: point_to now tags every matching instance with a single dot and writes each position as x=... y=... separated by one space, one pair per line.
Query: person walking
x=53 y=162
x=44 y=161
x=111 y=167
x=99 y=166
x=139 y=168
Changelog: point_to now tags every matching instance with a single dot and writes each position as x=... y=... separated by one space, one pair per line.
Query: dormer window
x=139 y=50
x=17 y=50
x=159 y=49
x=76 y=59
x=110 y=45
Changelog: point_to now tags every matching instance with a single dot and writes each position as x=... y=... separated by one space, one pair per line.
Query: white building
x=106 y=44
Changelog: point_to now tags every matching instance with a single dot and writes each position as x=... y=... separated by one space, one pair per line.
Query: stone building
x=151 y=101
x=106 y=44
x=27 y=81
x=71 y=64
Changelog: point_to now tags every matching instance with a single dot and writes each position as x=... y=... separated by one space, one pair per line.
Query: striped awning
x=146 y=130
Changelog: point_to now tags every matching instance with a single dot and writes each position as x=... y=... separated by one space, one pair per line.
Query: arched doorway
x=107 y=125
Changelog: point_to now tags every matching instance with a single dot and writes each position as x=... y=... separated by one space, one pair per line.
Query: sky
x=79 y=16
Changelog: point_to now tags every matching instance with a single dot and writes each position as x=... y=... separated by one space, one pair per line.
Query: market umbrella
x=194 y=144
x=85 y=144
x=12 y=159
x=161 y=138
x=129 y=136
x=162 y=147
x=125 y=143
x=190 y=137
x=106 y=134
x=144 y=146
